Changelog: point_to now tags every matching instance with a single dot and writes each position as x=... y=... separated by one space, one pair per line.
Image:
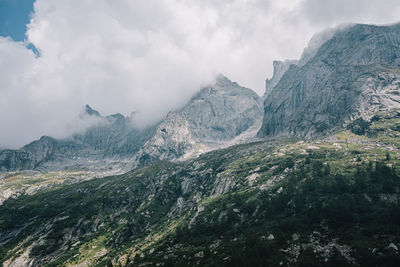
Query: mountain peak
x=223 y=82
x=91 y=112
x=46 y=138
x=353 y=73
x=117 y=116
x=280 y=67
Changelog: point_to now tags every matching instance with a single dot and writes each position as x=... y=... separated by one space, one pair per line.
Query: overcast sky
x=151 y=56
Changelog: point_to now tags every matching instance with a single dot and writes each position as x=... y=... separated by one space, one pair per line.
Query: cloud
x=151 y=56
x=355 y=11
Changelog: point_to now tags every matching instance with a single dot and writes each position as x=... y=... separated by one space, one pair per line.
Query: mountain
x=280 y=67
x=105 y=145
x=217 y=116
x=36 y=153
x=323 y=189
x=355 y=73
x=114 y=135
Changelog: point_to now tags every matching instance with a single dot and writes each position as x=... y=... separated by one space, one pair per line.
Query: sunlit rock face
x=219 y=115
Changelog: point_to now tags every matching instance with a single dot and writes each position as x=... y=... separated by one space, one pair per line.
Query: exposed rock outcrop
x=219 y=115
x=109 y=140
x=214 y=118
x=32 y=155
x=280 y=67
x=355 y=73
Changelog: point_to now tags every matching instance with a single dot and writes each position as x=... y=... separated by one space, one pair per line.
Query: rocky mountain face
x=110 y=140
x=280 y=67
x=171 y=140
x=219 y=115
x=114 y=135
x=354 y=73
x=215 y=117
x=34 y=154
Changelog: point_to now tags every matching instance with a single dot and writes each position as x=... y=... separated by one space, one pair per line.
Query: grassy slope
x=288 y=203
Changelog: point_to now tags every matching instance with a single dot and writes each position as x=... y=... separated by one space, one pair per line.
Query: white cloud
x=151 y=56
x=330 y=12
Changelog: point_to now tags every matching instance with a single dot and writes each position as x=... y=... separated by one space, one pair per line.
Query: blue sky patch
x=14 y=16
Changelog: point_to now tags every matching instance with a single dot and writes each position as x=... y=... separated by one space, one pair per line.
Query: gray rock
x=171 y=140
x=112 y=138
x=222 y=111
x=40 y=151
x=212 y=119
x=355 y=73
x=280 y=67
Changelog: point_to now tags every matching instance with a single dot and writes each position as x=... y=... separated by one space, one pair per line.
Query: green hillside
x=331 y=202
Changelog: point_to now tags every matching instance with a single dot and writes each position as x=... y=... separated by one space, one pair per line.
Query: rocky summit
x=105 y=145
x=280 y=67
x=354 y=73
x=217 y=116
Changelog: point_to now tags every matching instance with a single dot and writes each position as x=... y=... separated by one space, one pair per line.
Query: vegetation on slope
x=331 y=202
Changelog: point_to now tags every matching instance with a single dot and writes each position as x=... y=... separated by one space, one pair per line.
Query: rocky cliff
x=38 y=152
x=215 y=117
x=110 y=140
x=222 y=111
x=280 y=67
x=114 y=135
x=354 y=73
